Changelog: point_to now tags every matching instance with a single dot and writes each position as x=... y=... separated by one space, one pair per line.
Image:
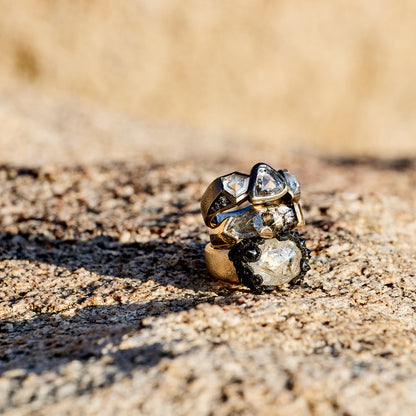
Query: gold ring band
x=219 y=265
x=259 y=263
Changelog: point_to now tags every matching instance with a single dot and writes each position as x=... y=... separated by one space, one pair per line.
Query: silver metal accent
x=264 y=221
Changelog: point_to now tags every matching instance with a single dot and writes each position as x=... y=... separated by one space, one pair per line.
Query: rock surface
x=106 y=307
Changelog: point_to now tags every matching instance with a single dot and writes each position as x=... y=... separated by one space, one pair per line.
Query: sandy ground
x=105 y=304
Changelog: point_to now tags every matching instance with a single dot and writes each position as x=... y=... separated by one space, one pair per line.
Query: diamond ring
x=264 y=221
x=264 y=184
x=250 y=220
x=259 y=263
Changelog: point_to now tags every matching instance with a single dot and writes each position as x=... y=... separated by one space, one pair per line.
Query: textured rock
x=106 y=306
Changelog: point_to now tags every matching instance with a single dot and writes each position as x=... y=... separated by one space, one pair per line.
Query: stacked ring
x=250 y=220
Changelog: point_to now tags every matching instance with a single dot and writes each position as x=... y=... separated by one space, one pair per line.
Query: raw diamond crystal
x=284 y=217
x=265 y=222
x=235 y=184
x=244 y=225
x=279 y=263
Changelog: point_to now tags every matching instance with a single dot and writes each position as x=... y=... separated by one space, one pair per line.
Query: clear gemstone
x=279 y=262
x=267 y=183
x=235 y=184
x=284 y=217
x=245 y=225
x=292 y=183
x=265 y=222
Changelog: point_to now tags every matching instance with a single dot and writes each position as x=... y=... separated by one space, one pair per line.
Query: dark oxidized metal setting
x=249 y=251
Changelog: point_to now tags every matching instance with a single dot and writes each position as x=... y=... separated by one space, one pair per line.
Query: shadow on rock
x=49 y=341
x=82 y=351
x=180 y=264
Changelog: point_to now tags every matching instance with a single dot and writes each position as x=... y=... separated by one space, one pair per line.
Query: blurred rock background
x=328 y=77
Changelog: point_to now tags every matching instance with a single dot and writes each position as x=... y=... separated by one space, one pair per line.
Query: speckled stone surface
x=106 y=307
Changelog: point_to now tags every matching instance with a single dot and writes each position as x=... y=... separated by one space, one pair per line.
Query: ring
x=260 y=264
x=223 y=194
x=251 y=219
x=255 y=221
x=264 y=184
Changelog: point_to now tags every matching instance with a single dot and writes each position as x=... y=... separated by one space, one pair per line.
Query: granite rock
x=106 y=306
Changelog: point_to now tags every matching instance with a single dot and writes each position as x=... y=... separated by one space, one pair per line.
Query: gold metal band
x=219 y=265
x=222 y=194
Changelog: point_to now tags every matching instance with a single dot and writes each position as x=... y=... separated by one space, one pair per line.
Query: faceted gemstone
x=267 y=183
x=292 y=184
x=235 y=184
x=279 y=263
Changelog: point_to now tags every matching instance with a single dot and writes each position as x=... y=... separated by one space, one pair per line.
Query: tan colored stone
x=94 y=322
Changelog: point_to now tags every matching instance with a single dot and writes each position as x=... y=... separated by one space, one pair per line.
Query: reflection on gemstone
x=279 y=262
x=267 y=183
x=292 y=183
x=235 y=184
x=245 y=225
x=266 y=232
x=265 y=222
x=284 y=217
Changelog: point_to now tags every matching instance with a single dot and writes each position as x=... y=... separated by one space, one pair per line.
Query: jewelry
x=264 y=221
x=223 y=194
x=253 y=244
x=264 y=184
x=260 y=264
